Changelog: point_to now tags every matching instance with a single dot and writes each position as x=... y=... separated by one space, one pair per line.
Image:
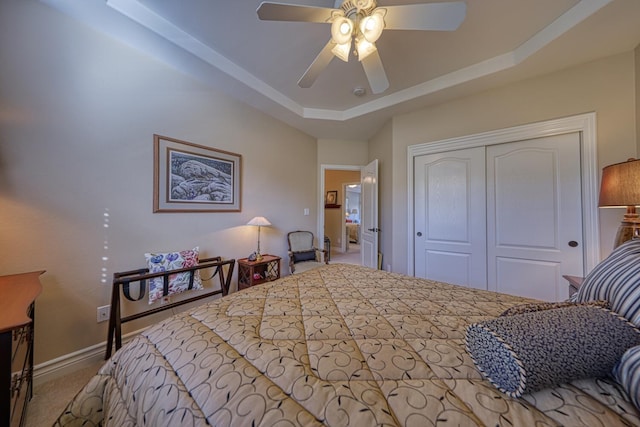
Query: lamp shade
x=620 y=185
x=259 y=221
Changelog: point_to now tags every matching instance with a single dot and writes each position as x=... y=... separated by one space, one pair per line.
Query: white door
x=528 y=227
x=534 y=227
x=450 y=237
x=369 y=216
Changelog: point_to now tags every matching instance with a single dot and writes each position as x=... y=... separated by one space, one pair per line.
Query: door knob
x=419 y=233
x=573 y=243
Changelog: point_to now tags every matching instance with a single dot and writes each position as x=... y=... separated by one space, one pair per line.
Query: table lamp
x=620 y=188
x=259 y=221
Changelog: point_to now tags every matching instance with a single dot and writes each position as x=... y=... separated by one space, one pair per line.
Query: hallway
x=352 y=256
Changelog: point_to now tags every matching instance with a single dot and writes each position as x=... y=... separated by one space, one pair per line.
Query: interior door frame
x=585 y=124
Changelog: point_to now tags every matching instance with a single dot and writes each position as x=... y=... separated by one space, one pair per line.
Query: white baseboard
x=72 y=362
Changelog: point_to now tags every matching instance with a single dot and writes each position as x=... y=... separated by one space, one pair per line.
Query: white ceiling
x=224 y=44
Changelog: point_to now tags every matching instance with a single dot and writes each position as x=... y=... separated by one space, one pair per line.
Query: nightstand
x=574 y=283
x=18 y=294
x=251 y=273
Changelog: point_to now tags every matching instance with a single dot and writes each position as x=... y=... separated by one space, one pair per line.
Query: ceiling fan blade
x=269 y=11
x=374 y=70
x=320 y=63
x=425 y=16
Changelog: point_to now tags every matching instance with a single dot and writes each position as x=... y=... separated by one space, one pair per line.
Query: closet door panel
x=450 y=218
x=534 y=211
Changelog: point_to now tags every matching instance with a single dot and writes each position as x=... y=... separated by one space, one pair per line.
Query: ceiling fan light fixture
x=361 y=22
x=342 y=50
x=371 y=26
x=364 y=4
x=364 y=48
x=341 y=30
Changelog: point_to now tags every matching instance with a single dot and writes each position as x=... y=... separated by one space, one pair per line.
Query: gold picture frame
x=189 y=177
x=331 y=198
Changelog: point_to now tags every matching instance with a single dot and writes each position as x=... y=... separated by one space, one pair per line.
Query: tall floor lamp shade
x=620 y=188
x=259 y=221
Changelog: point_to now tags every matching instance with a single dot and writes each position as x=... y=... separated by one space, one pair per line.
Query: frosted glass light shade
x=341 y=30
x=342 y=50
x=371 y=26
x=364 y=48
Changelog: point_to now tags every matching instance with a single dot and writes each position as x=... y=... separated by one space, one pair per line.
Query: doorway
x=341 y=218
x=369 y=229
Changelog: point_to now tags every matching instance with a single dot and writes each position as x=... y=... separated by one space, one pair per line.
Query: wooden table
x=18 y=293
x=251 y=273
x=574 y=283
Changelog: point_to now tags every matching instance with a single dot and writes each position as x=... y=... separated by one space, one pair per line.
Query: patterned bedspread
x=341 y=345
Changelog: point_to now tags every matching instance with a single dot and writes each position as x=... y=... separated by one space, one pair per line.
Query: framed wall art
x=194 y=178
x=331 y=199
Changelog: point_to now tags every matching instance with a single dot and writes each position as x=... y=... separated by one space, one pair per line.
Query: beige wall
x=77 y=116
x=605 y=86
x=342 y=152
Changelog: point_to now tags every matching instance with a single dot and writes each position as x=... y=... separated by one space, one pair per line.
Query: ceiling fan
x=362 y=22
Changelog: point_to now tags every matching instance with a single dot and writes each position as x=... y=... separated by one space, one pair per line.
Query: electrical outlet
x=103 y=313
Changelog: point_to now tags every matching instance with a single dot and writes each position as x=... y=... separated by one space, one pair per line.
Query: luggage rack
x=122 y=282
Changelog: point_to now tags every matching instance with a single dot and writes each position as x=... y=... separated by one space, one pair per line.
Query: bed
x=341 y=345
x=353 y=232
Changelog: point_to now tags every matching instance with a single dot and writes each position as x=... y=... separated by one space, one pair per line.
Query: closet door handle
x=419 y=234
x=573 y=243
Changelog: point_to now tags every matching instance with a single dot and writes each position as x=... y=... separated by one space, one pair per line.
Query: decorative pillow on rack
x=627 y=373
x=616 y=279
x=179 y=282
x=528 y=352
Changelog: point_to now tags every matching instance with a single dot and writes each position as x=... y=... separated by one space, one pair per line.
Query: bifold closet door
x=534 y=216
x=450 y=221
x=504 y=217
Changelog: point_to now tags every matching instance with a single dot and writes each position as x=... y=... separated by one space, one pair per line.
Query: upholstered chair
x=303 y=255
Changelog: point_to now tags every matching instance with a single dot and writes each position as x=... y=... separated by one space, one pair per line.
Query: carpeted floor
x=352 y=256
x=50 y=398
